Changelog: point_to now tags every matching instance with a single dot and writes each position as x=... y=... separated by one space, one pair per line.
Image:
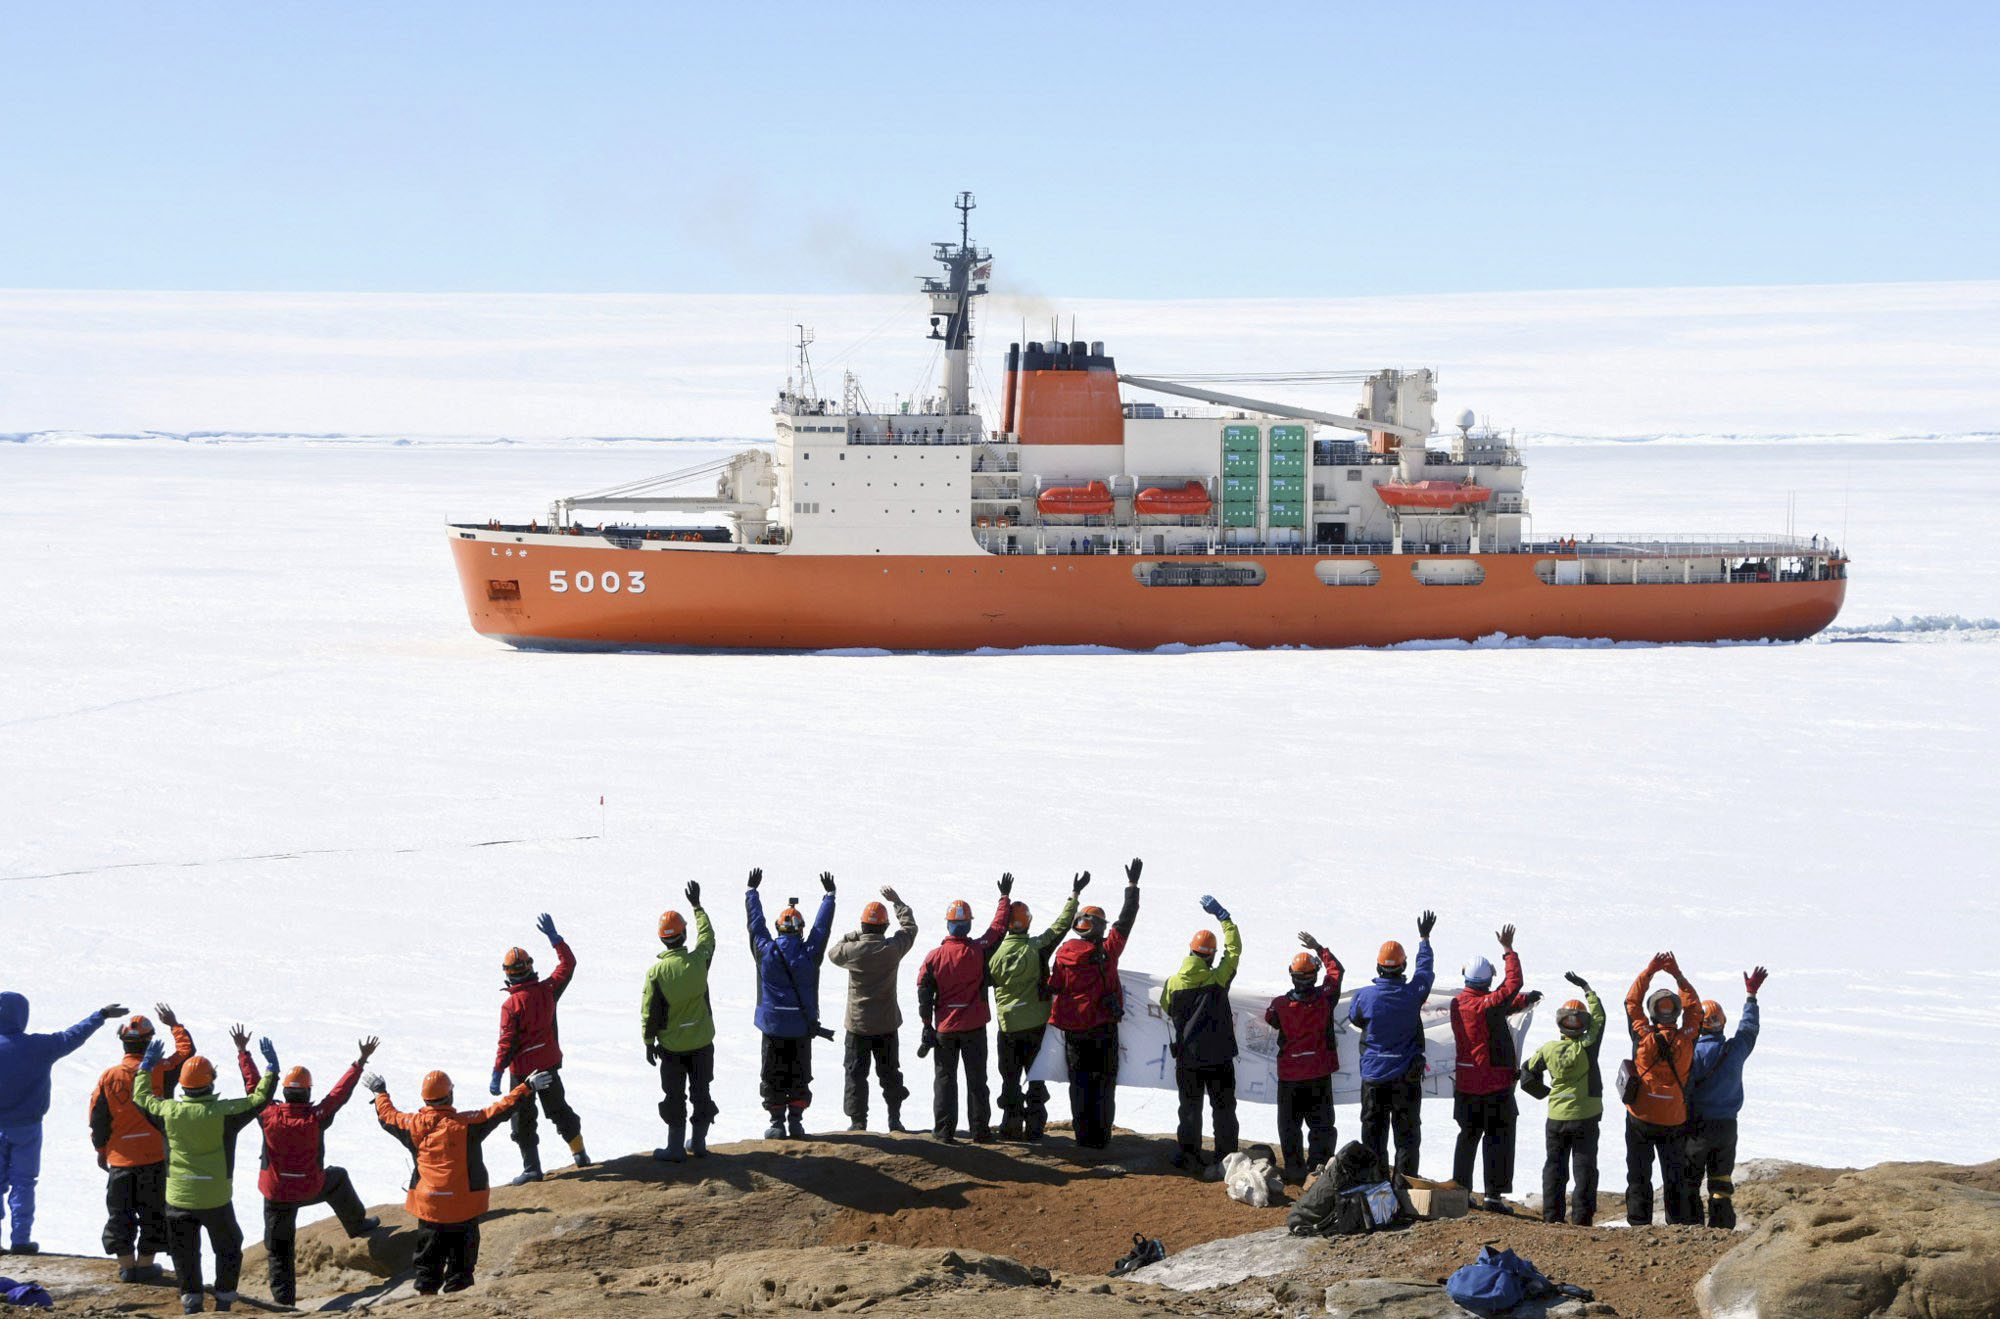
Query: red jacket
x=294 y=1164
x=1486 y=1055
x=528 y=1020
x=951 y=984
x=1305 y=1026
x=1084 y=992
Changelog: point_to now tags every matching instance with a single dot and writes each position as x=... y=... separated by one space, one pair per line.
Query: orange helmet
x=436 y=1088
x=1305 y=964
x=875 y=914
x=1017 y=917
x=1203 y=943
x=1391 y=957
x=138 y=1028
x=517 y=964
x=1712 y=1015
x=1573 y=1019
x=790 y=921
x=197 y=1073
x=673 y=927
x=1086 y=917
x=298 y=1079
x=961 y=910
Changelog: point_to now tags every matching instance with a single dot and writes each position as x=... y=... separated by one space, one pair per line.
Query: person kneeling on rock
x=294 y=1165
x=449 y=1189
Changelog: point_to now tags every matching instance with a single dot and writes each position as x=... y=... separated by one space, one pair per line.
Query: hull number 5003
x=632 y=582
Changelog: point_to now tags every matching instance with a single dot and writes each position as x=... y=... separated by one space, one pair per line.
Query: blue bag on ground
x=1496 y=1282
x=25 y=1293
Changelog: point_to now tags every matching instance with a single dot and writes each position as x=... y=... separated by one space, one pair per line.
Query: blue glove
x=154 y=1052
x=1214 y=908
x=494 y=1089
x=548 y=929
x=270 y=1052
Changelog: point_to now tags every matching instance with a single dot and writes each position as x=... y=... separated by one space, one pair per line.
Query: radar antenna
x=966 y=271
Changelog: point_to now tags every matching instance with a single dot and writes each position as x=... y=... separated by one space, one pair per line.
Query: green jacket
x=673 y=1006
x=1196 y=1001
x=201 y=1138
x=1019 y=968
x=1576 y=1089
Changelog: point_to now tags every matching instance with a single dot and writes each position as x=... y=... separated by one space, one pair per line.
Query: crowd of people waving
x=165 y=1138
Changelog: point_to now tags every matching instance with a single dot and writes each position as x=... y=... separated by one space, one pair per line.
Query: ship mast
x=966 y=270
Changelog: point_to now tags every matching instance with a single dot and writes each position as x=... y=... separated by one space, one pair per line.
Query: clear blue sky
x=1117 y=150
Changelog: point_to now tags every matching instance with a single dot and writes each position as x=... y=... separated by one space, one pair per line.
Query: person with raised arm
x=1389 y=1012
x=1715 y=1098
x=1203 y=1038
x=678 y=1027
x=131 y=1150
x=1483 y=1081
x=788 y=1003
x=871 y=956
x=449 y=1189
x=25 y=1063
x=201 y=1129
x=1019 y=973
x=529 y=1043
x=1087 y=1003
x=1564 y=1072
x=1664 y=1026
x=951 y=1003
x=294 y=1172
x=1305 y=1020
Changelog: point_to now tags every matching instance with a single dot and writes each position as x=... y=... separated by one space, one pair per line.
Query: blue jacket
x=25 y=1060
x=1715 y=1082
x=781 y=1011
x=1388 y=1011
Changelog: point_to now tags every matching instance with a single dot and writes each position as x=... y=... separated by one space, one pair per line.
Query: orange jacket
x=449 y=1182
x=1662 y=1055
x=126 y=1137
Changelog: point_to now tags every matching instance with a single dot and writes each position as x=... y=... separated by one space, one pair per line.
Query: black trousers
x=1024 y=1107
x=1309 y=1103
x=184 y=1229
x=685 y=1079
x=885 y=1053
x=1485 y=1122
x=446 y=1255
x=135 y=1205
x=1645 y=1141
x=554 y=1103
x=960 y=1050
x=1712 y=1154
x=1572 y=1159
x=1216 y=1084
x=281 y=1224
x=787 y=1073
x=1093 y=1083
x=1393 y=1105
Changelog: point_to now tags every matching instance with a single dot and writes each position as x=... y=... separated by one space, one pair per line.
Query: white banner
x=1144 y=1032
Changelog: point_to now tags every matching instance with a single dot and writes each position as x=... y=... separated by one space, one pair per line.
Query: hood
x=13 y=1013
x=509 y=986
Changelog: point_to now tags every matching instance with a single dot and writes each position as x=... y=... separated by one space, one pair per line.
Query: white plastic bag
x=1252 y=1181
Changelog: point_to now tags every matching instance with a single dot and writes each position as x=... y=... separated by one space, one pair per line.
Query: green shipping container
x=1291 y=438
x=1239 y=489
x=1291 y=489
x=1288 y=515
x=1288 y=464
x=1238 y=439
x=1240 y=463
x=1239 y=515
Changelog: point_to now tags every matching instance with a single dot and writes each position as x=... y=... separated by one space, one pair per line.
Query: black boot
x=776 y=1131
x=531 y=1166
x=673 y=1151
x=896 y=1119
x=795 y=1123
x=698 y=1146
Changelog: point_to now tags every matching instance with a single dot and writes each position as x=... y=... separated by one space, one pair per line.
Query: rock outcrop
x=1902 y=1240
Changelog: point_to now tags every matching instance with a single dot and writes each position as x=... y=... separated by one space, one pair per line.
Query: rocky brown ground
x=904 y=1226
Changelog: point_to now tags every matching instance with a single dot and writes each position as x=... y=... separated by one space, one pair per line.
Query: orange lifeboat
x=1075 y=499
x=1432 y=495
x=1190 y=498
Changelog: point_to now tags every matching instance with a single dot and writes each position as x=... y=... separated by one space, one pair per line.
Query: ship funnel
x=1065 y=393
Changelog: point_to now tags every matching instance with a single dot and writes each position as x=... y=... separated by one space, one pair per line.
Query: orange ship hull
x=750 y=600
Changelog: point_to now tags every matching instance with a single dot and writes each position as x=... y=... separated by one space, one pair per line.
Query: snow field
x=258 y=766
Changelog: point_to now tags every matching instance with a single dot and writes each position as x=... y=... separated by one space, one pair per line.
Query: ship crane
x=1275 y=409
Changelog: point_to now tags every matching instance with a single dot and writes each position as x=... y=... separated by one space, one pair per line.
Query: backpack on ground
x=1331 y=1205
x=1144 y=1251
x=1496 y=1282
